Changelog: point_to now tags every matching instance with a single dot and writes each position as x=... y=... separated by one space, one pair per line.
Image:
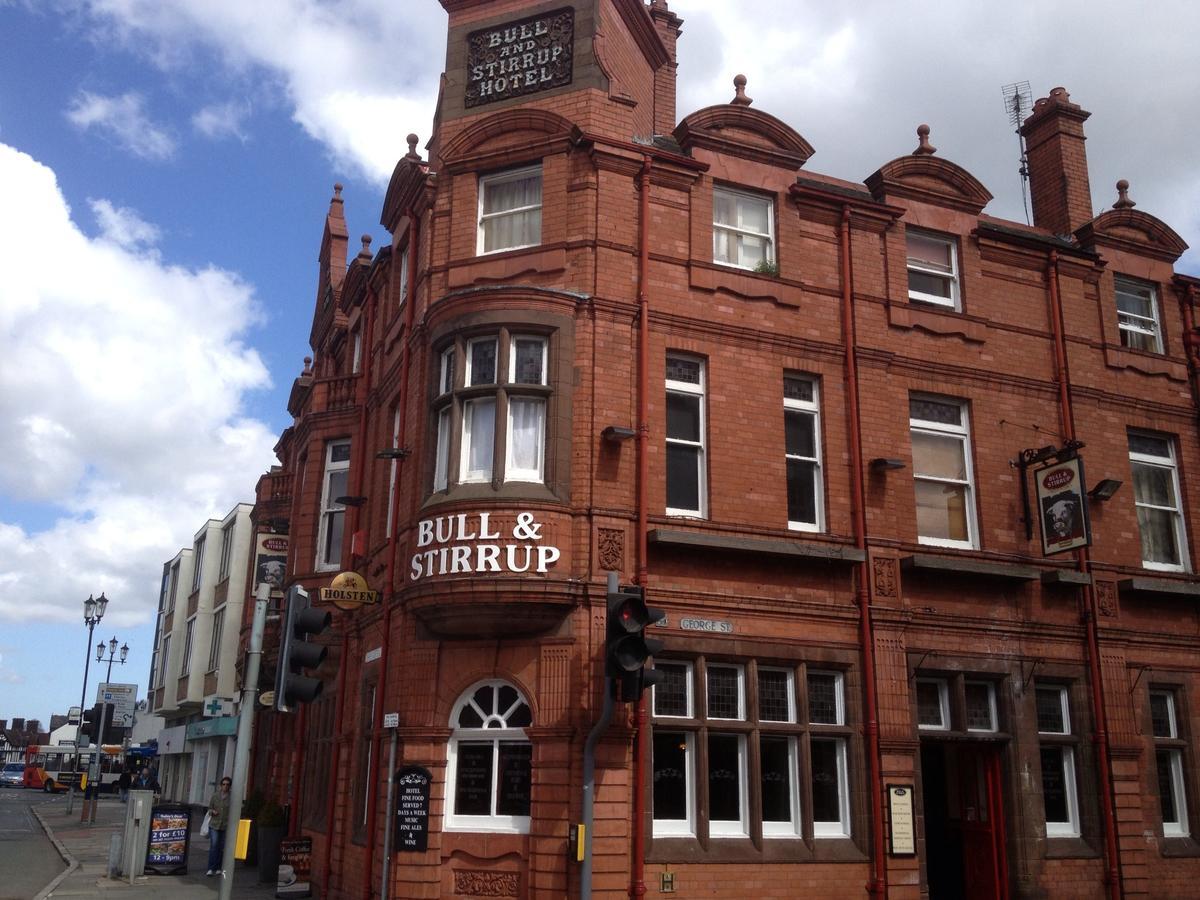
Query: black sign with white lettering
x=412 y=809
x=517 y=58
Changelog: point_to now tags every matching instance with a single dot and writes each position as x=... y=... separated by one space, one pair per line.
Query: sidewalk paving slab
x=85 y=850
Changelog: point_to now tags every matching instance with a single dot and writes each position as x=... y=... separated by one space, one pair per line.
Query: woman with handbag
x=218 y=822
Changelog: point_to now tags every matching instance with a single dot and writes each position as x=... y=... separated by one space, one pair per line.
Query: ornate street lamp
x=93 y=612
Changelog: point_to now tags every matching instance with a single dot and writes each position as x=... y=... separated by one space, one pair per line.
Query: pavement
x=85 y=850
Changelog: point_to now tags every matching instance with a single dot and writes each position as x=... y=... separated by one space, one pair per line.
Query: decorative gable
x=735 y=129
x=921 y=176
x=492 y=142
x=1125 y=228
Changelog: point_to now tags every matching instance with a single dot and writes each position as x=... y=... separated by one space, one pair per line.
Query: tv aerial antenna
x=1018 y=103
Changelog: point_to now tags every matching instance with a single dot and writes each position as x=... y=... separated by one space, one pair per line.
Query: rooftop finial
x=924 y=148
x=1123 y=201
x=412 y=147
x=365 y=252
x=337 y=191
x=307 y=366
x=739 y=85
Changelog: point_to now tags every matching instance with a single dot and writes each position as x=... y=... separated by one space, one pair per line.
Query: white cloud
x=124 y=119
x=124 y=226
x=359 y=75
x=124 y=380
x=222 y=120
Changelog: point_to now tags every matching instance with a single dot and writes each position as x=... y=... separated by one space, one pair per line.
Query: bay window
x=491 y=417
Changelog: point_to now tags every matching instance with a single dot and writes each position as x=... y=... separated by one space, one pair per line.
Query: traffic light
x=300 y=622
x=626 y=647
x=89 y=728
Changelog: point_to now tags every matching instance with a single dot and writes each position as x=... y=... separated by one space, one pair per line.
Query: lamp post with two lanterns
x=93 y=612
x=94 y=775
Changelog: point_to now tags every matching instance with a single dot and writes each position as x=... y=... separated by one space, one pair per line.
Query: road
x=27 y=858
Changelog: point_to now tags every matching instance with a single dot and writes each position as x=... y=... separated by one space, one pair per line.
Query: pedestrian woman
x=218 y=811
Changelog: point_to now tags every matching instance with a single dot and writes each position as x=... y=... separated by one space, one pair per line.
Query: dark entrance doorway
x=964 y=820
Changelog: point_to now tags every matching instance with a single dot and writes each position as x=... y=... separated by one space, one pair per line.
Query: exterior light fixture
x=617 y=433
x=883 y=463
x=1105 y=489
x=101 y=606
x=100 y=651
x=124 y=650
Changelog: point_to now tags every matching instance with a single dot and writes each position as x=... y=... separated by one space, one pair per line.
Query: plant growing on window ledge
x=767 y=267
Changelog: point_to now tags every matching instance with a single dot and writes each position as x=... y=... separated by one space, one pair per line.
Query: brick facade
x=490 y=546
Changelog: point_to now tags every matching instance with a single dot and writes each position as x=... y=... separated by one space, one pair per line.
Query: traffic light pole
x=241 y=759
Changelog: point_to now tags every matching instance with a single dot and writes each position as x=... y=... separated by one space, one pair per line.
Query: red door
x=984 y=859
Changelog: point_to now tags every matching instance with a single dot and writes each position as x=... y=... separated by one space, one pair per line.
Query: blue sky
x=165 y=167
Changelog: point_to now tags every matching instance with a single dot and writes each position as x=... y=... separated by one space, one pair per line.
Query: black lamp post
x=95 y=777
x=93 y=612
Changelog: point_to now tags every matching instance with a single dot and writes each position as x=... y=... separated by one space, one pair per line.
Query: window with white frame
x=1168 y=759
x=188 y=639
x=743 y=228
x=685 y=436
x=705 y=750
x=932 y=268
x=802 y=442
x=942 y=476
x=488 y=777
x=402 y=291
x=333 y=514
x=1137 y=315
x=1157 y=498
x=933 y=704
x=226 y=551
x=980 y=706
x=510 y=210
x=356 y=351
x=504 y=379
x=214 y=646
x=1060 y=796
x=197 y=563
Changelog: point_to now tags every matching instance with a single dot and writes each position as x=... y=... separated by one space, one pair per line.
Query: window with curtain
x=510 y=210
x=489 y=767
x=932 y=268
x=1156 y=496
x=743 y=228
x=942 y=475
x=1137 y=315
x=491 y=417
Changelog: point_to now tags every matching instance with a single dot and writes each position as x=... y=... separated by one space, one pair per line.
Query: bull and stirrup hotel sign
x=518 y=58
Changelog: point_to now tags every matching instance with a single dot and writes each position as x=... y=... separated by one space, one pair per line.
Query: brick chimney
x=667 y=24
x=1058 y=170
x=18 y=725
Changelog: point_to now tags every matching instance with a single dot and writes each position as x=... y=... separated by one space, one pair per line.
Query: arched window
x=488 y=770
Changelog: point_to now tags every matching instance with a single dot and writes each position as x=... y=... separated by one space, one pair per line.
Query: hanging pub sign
x=167 y=849
x=1062 y=504
x=471 y=543
x=270 y=561
x=348 y=590
x=412 y=809
x=518 y=58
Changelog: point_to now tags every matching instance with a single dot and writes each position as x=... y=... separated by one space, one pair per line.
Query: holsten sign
x=470 y=543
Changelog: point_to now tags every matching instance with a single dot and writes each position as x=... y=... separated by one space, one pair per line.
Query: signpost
x=123 y=699
x=412 y=810
x=391 y=721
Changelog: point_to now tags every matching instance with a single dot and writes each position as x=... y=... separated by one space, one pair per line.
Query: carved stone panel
x=612 y=549
x=475 y=883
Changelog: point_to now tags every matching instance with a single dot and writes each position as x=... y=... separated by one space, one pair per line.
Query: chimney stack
x=667 y=24
x=1058 y=170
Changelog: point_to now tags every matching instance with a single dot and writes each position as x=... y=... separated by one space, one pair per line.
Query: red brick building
x=834 y=429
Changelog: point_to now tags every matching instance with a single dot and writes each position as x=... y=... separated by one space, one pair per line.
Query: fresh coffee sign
x=518 y=58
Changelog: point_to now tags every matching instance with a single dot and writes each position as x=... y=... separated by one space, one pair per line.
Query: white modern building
x=193 y=677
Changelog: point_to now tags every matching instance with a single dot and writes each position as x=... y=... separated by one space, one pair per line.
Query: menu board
x=412 y=809
x=295 y=868
x=900 y=810
x=166 y=854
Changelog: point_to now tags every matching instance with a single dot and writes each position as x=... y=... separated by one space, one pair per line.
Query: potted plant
x=271 y=826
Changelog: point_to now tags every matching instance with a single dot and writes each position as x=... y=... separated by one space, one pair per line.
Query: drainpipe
x=1190 y=340
x=381 y=688
x=637 y=883
x=877 y=886
x=1112 y=873
x=356 y=513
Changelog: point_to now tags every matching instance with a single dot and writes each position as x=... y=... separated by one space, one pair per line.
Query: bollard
x=114 y=855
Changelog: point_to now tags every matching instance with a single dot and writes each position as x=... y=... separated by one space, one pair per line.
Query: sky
x=165 y=170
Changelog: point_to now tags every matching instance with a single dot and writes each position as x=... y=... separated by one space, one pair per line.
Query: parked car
x=12 y=775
